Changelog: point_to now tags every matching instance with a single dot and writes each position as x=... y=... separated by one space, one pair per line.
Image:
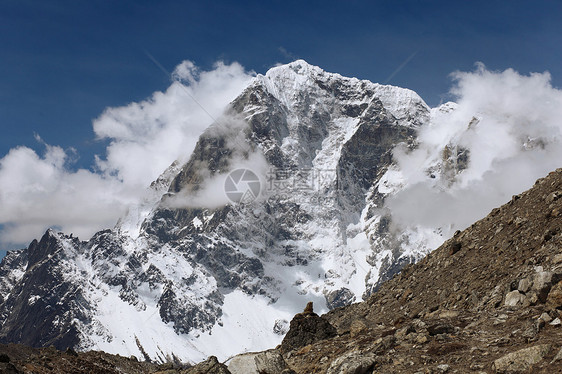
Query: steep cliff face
x=191 y=270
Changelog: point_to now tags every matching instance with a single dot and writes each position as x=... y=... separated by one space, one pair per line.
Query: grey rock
x=354 y=362
x=515 y=298
x=521 y=360
x=281 y=327
x=524 y=285
x=267 y=362
x=271 y=362
x=243 y=364
x=545 y=317
x=210 y=366
x=339 y=298
x=542 y=281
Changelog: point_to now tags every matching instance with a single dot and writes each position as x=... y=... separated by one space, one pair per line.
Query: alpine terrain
x=489 y=300
x=283 y=202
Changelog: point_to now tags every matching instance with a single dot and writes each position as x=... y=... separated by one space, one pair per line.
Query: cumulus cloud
x=147 y=136
x=509 y=124
x=211 y=192
x=39 y=192
x=42 y=191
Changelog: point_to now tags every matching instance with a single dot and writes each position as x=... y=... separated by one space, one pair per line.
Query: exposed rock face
x=39 y=300
x=210 y=366
x=187 y=269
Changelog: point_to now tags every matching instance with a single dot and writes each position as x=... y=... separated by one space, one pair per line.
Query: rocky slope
x=489 y=300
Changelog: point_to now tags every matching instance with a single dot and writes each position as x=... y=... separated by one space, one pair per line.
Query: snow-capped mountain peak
x=284 y=200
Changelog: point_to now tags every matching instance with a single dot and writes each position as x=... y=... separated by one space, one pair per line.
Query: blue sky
x=64 y=62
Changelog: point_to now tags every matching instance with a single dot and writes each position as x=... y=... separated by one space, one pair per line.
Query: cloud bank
x=42 y=191
x=511 y=126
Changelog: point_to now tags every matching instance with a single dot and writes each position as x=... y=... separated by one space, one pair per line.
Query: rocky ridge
x=488 y=300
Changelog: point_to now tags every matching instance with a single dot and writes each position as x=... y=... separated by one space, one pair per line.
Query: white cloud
x=147 y=137
x=37 y=192
x=515 y=138
x=211 y=193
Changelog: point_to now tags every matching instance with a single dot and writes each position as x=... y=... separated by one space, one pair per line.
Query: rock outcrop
x=210 y=366
x=306 y=328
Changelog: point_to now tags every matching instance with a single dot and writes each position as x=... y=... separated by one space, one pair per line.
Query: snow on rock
x=182 y=280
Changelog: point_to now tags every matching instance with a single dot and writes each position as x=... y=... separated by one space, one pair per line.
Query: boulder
x=354 y=362
x=524 y=285
x=271 y=362
x=515 y=298
x=542 y=281
x=357 y=328
x=545 y=317
x=521 y=360
x=210 y=366
x=554 y=298
x=267 y=362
